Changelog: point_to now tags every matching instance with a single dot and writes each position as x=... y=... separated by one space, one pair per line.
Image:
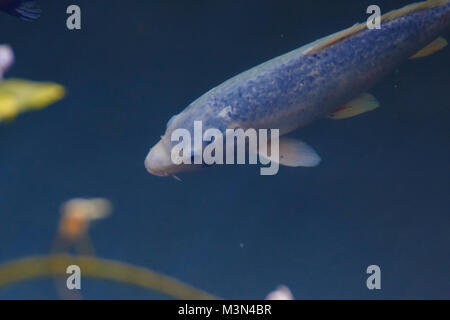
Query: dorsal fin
x=394 y=14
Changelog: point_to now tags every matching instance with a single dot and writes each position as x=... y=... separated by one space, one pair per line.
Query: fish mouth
x=158 y=160
x=157 y=173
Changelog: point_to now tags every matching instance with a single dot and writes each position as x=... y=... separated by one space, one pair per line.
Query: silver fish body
x=292 y=90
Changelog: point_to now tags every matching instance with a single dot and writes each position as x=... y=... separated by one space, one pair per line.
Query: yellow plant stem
x=55 y=265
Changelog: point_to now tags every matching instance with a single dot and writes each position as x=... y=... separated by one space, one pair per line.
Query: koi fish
x=327 y=78
x=28 y=10
x=18 y=96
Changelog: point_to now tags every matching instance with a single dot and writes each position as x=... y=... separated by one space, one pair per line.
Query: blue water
x=380 y=195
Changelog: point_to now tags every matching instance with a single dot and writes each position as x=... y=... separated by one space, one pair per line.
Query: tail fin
x=28 y=10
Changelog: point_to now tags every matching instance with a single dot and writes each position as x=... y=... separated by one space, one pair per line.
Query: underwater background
x=380 y=195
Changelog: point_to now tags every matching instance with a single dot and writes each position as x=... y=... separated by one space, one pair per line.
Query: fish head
x=159 y=160
x=164 y=160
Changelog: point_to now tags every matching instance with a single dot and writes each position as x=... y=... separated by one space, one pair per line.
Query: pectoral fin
x=363 y=103
x=434 y=46
x=295 y=153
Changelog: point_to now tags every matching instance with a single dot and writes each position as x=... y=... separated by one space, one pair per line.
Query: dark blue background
x=380 y=195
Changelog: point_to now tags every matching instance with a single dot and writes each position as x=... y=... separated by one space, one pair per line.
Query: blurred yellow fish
x=17 y=96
